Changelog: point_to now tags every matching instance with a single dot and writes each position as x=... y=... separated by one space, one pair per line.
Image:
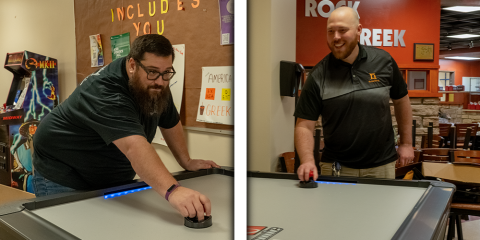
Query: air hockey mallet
x=310 y=183
x=194 y=223
x=191 y=222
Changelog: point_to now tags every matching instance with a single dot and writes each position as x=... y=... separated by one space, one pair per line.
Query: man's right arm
x=304 y=143
x=147 y=164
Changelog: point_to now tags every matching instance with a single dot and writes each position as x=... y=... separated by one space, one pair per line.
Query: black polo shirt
x=353 y=100
x=74 y=143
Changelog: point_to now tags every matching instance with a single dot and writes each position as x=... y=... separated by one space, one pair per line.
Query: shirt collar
x=361 y=54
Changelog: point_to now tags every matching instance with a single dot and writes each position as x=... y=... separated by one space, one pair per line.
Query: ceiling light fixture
x=464 y=36
x=463 y=8
x=463 y=58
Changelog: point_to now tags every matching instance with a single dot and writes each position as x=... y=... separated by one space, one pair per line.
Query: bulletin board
x=195 y=23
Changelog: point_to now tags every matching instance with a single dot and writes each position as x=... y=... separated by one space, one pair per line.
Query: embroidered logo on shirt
x=373 y=78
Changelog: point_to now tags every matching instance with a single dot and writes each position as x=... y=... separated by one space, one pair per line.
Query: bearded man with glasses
x=100 y=136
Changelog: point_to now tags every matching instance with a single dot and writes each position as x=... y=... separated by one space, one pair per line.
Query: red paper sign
x=210 y=94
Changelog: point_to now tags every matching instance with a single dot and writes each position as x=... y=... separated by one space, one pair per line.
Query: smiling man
x=351 y=88
x=100 y=136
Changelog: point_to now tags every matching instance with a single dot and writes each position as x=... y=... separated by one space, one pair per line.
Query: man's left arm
x=403 y=114
x=176 y=143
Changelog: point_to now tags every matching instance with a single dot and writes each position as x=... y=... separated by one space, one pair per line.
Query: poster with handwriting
x=176 y=85
x=216 y=96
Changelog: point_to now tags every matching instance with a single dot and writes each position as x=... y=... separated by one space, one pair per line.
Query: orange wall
x=461 y=69
x=420 y=19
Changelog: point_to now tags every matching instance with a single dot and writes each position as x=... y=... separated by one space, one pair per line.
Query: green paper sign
x=120 y=45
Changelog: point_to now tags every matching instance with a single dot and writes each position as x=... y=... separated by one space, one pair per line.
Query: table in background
x=10 y=194
x=138 y=215
x=346 y=208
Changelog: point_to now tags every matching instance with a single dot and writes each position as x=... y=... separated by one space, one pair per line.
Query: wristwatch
x=171 y=189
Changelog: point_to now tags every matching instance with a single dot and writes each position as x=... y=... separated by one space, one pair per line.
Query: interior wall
x=201 y=145
x=271 y=38
x=258 y=86
x=45 y=27
x=461 y=69
x=282 y=108
x=419 y=19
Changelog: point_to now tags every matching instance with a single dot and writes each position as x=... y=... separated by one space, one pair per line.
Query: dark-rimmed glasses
x=153 y=75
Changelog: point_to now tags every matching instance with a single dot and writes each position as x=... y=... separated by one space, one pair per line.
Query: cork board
x=197 y=25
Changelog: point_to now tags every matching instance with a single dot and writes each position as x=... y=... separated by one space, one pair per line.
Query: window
x=417 y=80
x=421 y=82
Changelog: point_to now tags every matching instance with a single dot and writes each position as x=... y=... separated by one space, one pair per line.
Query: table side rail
x=8 y=232
x=374 y=181
x=182 y=175
x=48 y=201
x=27 y=225
x=429 y=216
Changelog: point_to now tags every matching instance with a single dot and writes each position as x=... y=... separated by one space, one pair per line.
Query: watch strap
x=171 y=189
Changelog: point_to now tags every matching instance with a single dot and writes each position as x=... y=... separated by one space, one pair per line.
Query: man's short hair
x=151 y=43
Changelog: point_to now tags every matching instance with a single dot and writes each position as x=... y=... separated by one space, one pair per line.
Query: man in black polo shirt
x=100 y=136
x=351 y=88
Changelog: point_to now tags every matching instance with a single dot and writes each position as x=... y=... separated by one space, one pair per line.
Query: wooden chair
x=475 y=139
x=430 y=140
x=458 y=209
x=445 y=131
x=287 y=162
x=318 y=147
x=471 y=157
x=437 y=141
x=436 y=155
x=461 y=134
x=401 y=170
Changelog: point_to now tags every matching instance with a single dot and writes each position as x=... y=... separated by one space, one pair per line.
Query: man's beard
x=150 y=103
x=349 y=47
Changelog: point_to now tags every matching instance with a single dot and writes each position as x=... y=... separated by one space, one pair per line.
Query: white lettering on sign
x=399 y=37
x=311 y=7
x=386 y=41
x=387 y=37
x=376 y=37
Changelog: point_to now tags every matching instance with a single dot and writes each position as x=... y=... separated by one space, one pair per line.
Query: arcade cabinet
x=33 y=94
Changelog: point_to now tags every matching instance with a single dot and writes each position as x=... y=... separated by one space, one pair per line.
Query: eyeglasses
x=153 y=75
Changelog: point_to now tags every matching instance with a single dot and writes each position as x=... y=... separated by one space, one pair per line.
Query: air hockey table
x=130 y=211
x=346 y=208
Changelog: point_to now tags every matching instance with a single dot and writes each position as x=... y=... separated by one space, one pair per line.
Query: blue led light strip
x=338 y=183
x=118 y=194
